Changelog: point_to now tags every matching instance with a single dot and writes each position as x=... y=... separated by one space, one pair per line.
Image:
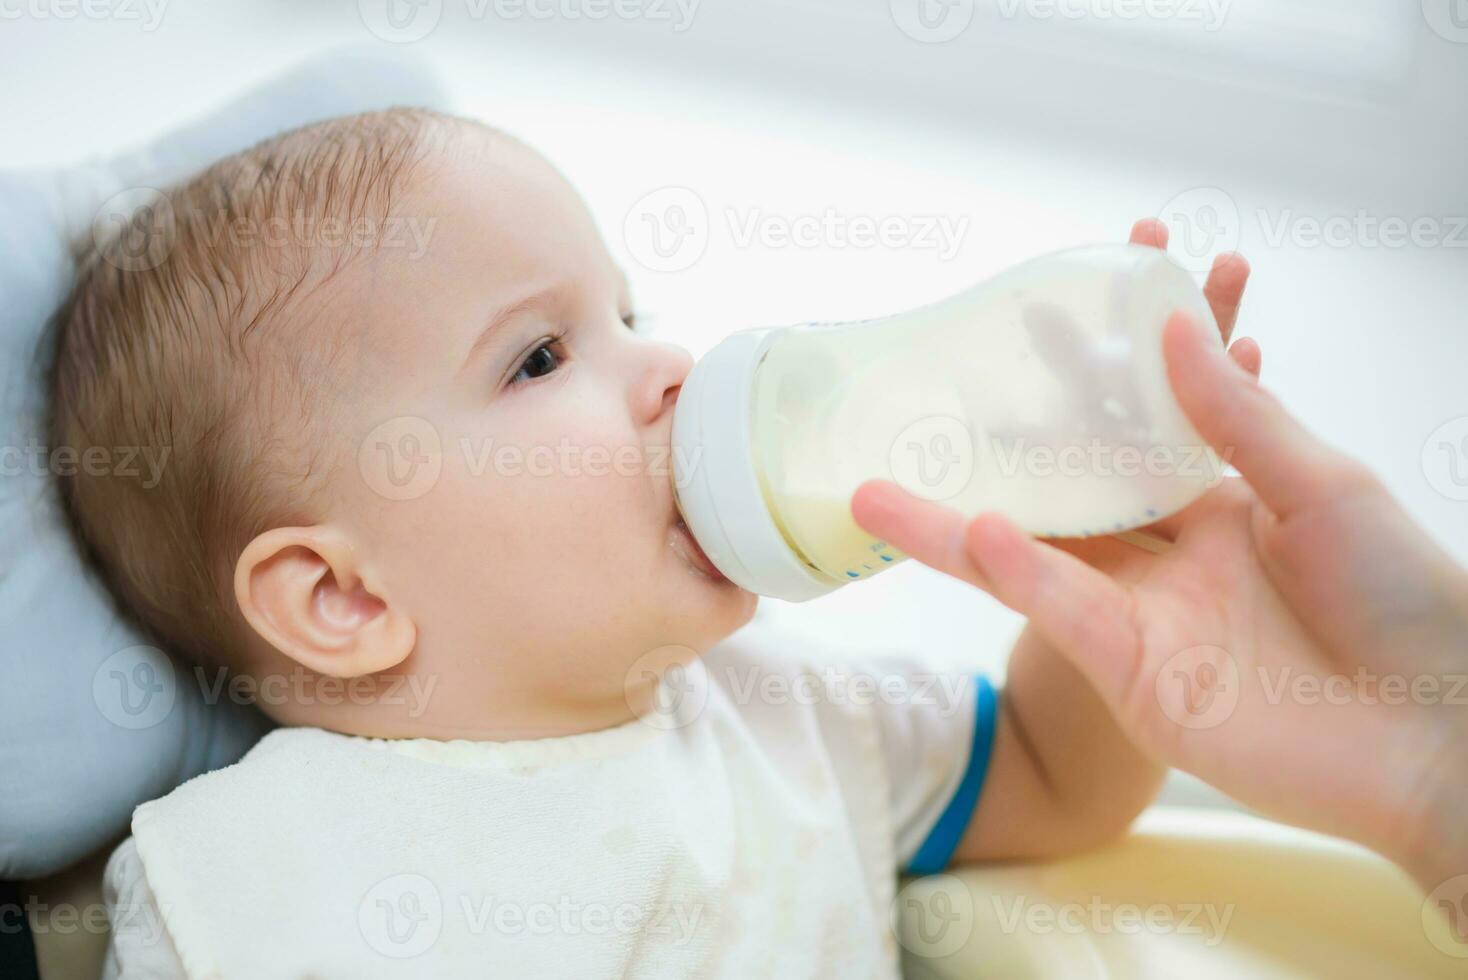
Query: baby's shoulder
x=290 y=754
x=788 y=691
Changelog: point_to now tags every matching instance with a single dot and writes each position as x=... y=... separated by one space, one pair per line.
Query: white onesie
x=753 y=827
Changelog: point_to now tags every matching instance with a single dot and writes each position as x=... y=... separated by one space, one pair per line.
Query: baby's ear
x=301 y=589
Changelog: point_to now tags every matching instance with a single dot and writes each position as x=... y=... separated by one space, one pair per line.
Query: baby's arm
x=1062 y=777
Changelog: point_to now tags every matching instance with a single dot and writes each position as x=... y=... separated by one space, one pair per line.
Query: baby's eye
x=542 y=361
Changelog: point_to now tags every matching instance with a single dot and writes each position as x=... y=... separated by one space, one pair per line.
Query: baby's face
x=543 y=560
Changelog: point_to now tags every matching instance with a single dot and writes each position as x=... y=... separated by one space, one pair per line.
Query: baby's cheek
x=512 y=515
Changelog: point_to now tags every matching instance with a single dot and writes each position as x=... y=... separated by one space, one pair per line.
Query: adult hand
x=1297 y=643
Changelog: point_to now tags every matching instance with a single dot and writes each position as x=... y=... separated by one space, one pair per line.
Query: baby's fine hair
x=199 y=334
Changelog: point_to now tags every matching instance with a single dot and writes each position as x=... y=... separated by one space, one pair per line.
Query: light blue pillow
x=92 y=720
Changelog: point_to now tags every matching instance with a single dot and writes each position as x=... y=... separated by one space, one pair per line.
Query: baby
x=517 y=738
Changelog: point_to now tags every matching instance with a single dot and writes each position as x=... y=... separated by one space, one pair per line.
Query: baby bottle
x=1041 y=394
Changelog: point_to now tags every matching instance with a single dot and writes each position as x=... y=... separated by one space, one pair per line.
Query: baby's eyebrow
x=541 y=299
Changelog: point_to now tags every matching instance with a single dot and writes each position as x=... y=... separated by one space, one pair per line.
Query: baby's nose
x=664 y=370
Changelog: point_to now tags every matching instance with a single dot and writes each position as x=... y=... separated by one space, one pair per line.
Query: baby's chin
x=712 y=610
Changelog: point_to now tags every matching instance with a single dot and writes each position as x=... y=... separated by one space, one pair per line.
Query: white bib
x=759 y=835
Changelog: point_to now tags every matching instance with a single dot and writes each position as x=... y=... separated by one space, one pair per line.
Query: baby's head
x=410 y=430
